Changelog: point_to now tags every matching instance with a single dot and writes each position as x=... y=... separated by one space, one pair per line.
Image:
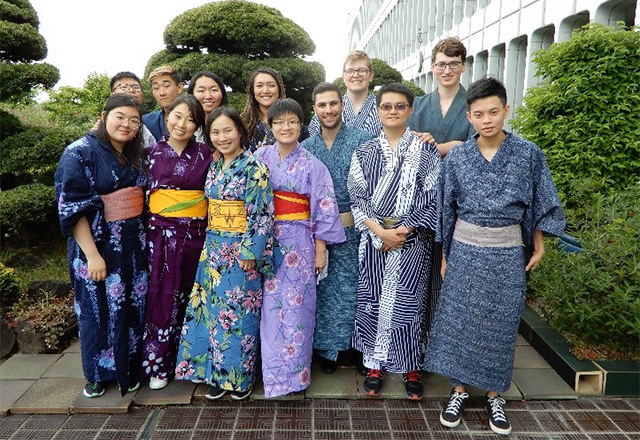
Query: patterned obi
x=178 y=203
x=347 y=219
x=482 y=236
x=123 y=204
x=227 y=215
x=390 y=222
x=291 y=206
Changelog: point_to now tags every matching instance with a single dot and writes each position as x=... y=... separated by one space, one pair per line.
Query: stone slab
x=528 y=357
x=11 y=391
x=111 y=402
x=513 y=393
x=542 y=383
x=342 y=384
x=27 y=366
x=177 y=392
x=49 y=396
x=69 y=365
x=520 y=340
x=74 y=347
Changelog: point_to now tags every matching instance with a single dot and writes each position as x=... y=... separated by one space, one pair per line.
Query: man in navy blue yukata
x=337 y=293
x=166 y=85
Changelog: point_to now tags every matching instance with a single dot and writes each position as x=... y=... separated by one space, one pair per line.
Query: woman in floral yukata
x=220 y=334
x=100 y=198
x=307 y=219
x=177 y=169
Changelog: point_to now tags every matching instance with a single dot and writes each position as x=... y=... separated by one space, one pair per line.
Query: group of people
x=207 y=244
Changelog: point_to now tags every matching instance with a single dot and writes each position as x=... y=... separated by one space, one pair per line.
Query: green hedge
x=27 y=209
x=9 y=286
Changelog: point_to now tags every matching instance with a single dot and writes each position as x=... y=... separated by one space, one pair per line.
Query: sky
x=109 y=36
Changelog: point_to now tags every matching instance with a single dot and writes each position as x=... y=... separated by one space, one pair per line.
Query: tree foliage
x=585 y=112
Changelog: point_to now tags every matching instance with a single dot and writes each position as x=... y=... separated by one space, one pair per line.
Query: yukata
x=110 y=313
x=220 y=334
x=264 y=136
x=147 y=138
x=487 y=211
x=427 y=118
x=154 y=121
x=288 y=311
x=366 y=119
x=175 y=241
x=394 y=188
x=336 y=294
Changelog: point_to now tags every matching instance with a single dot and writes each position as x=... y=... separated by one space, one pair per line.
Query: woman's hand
x=321 y=255
x=96 y=267
x=247 y=265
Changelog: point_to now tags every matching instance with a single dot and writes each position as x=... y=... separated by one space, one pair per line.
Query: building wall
x=501 y=36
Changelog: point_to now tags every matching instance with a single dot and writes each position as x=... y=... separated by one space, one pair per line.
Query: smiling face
x=357 y=75
x=122 y=125
x=448 y=77
x=180 y=124
x=225 y=137
x=487 y=115
x=265 y=90
x=394 y=110
x=328 y=108
x=286 y=129
x=208 y=92
x=165 y=90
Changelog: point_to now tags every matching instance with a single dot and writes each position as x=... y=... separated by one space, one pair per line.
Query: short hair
x=213 y=76
x=358 y=55
x=324 y=87
x=232 y=114
x=485 y=88
x=284 y=106
x=120 y=75
x=396 y=88
x=451 y=47
x=165 y=70
x=195 y=108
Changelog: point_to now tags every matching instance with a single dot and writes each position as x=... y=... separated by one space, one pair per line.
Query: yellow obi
x=227 y=215
x=162 y=199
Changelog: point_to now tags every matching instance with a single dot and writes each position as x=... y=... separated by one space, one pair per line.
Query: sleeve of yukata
x=361 y=200
x=260 y=212
x=445 y=205
x=325 y=217
x=546 y=210
x=423 y=212
x=75 y=193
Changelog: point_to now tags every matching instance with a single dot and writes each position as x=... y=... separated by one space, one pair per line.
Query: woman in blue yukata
x=99 y=184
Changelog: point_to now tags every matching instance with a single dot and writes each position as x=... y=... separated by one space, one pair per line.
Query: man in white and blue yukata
x=336 y=294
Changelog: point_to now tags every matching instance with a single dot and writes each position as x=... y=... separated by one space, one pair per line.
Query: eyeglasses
x=280 y=123
x=351 y=72
x=399 y=106
x=132 y=122
x=453 y=65
x=127 y=87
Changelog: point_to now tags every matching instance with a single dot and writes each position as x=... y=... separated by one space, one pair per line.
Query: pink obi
x=123 y=204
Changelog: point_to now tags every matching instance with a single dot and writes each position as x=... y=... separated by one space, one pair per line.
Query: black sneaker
x=360 y=368
x=450 y=415
x=93 y=389
x=373 y=383
x=413 y=385
x=214 y=392
x=498 y=420
x=241 y=395
x=328 y=366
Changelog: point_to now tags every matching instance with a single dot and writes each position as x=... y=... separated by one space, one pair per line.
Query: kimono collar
x=404 y=143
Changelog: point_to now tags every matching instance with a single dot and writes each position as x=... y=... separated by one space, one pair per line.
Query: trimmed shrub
x=9 y=286
x=26 y=209
x=9 y=125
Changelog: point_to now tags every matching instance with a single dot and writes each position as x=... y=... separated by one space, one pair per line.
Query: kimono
x=154 y=121
x=366 y=119
x=220 y=332
x=336 y=294
x=175 y=244
x=111 y=312
x=398 y=186
x=485 y=284
x=288 y=311
x=264 y=136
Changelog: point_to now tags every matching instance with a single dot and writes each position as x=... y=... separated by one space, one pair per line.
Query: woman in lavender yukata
x=177 y=168
x=306 y=220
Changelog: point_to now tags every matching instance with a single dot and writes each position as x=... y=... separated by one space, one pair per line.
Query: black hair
x=195 y=108
x=325 y=87
x=485 y=88
x=232 y=114
x=118 y=76
x=251 y=112
x=396 y=88
x=284 y=106
x=132 y=151
x=213 y=76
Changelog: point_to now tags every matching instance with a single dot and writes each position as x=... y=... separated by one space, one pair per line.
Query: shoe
x=133 y=387
x=157 y=384
x=93 y=389
x=328 y=366
x=373 y=383
x=360 y=368
x=498 y=420
x=450 y=415
x=214 y=392
x=241 y=395
x=413 y=385
x=198 y=381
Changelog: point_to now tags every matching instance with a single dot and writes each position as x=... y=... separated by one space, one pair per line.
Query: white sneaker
x=157 y=384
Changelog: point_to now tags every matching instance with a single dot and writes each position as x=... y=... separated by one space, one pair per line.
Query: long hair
x=215 y=78
x=232 y=114
x=132 y=151
x=251 y=112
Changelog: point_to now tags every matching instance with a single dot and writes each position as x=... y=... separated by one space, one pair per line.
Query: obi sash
x=482 y=236
x=227 y=215
x=390 y=222
x=178 y=203
x=347 y=219
x=123 y=204
x=291 y=206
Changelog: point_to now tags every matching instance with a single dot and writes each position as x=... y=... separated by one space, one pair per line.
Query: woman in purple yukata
x=99 y=184
x=177 y=168
x=307 y=219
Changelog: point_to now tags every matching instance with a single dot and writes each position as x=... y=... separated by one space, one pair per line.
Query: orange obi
x=227 y=215
x=178 y=203
x=291 y=206
x=123 y=204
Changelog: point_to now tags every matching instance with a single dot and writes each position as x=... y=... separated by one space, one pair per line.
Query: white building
x=500 y=35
